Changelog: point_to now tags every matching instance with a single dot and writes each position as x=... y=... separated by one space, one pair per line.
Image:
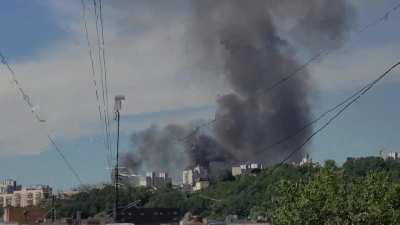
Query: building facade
x=9 y=186
x=246 y=168
x=195 y=179
x=26 y=197
x=152 y=179
x=307 y=160
x=158 y=180
x=390 y=155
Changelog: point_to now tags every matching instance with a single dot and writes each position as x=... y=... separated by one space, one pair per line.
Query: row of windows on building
x=14 y=195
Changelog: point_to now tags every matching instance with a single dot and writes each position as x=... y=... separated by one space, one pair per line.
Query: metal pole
x=116 y=219
x=53 y=209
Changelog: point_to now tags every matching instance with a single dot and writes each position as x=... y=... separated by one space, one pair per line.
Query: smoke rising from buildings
x=256 y=42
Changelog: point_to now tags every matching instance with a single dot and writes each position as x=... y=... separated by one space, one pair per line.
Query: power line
x=102 y=77
x=314 y=58
x=93 y=72
x=105 y=65
x=347 y=103
x=36 y=115
x=314 y=121
x=357 y=96
x=65 y=159
x=99 y=17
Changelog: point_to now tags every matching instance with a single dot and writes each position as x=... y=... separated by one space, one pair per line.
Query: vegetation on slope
x=362 y=191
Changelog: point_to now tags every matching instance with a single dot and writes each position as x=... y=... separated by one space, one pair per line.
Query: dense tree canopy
x=362 y=191
x=327 y=198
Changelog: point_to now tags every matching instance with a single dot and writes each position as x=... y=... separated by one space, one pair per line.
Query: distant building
x=26 y=197
x=8 y=186
x=307 y=160
x=246 y=168
x=67 y=194
x=158 y=180
x=195 y=178
x=152 y=179
x=201 y=185
x=135 y=180
x=390 y=155
x=187 y=178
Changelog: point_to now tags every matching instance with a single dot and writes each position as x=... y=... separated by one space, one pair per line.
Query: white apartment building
x=30 y=196
x=195 y=179
x=390 y=155
x=187 y=178
x=246 y=168
x=152 y=179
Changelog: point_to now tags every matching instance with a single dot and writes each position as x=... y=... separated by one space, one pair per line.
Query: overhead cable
x=38 y=118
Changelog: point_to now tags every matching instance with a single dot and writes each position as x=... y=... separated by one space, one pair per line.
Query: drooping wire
x=106 y=73
x=356 y=97
x=102 y=77
x=312 y=122
x=93 y=73
x=346 y=103
x=27 y=100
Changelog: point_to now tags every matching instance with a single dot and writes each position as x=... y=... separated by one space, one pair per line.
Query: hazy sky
x=149 y=57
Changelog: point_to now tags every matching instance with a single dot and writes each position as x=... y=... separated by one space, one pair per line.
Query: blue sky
x=28 y=26
x=44 y=43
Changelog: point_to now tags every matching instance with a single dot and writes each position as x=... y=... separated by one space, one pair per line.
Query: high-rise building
x=195 y=178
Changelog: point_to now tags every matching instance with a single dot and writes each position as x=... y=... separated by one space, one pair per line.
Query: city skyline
x=54 y=60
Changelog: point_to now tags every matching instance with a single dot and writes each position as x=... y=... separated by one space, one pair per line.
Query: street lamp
x=117 y=109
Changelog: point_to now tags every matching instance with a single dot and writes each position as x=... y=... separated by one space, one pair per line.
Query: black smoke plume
x=259 y=43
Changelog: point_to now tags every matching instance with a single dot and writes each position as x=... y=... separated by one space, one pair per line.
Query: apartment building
x=195 y=178
x=9 y=186
x=246 y=168
x=25 y=197
x=152 y=179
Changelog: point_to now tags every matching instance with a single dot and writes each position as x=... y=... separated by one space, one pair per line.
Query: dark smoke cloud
x=255 y=53
x=158 y=150
x=316 y=24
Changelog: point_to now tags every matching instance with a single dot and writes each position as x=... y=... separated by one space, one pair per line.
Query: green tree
x=330 y=164
x=328 y=198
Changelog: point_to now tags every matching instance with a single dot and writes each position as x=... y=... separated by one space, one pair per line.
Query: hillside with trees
x=361 y=191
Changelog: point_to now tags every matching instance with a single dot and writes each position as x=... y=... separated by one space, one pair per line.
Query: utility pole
x=117 y=109
x=53 y=209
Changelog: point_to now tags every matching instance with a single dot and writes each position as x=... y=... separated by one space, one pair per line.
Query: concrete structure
x=26 y=197
x=195 y=179
x=8 y=186
x=158 y=180
x=390 y=155
x=152 y=179
x=201 y=185
x=134 y=180
x=307 y=160
x=67 y=194
x=188 y=177
x=246 y=168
